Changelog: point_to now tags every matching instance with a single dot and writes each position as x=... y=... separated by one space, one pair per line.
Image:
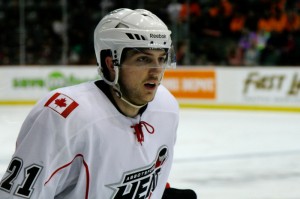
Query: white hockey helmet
x=126 y=28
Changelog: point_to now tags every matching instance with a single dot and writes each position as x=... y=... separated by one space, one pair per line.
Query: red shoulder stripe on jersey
x=87 y=173
x=69 y=109
x=52 y=98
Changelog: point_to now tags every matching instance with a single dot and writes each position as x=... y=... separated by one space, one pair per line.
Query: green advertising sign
x=55 y=79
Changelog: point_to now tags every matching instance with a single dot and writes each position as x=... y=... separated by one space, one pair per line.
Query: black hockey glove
x=172 y=193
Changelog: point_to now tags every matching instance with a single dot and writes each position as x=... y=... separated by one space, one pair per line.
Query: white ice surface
x=220 y=154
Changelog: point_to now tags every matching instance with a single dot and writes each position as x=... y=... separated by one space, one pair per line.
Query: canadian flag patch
x=62 y=104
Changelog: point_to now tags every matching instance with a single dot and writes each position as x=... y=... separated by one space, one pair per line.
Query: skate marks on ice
x=220 y=154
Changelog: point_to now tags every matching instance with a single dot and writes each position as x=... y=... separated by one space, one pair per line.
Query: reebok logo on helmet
x=159 y=36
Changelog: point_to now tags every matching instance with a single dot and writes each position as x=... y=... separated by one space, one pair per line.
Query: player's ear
x=109 y=63
x=110 y=67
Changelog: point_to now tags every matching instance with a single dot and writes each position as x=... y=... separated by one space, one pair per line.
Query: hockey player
x=111 y=138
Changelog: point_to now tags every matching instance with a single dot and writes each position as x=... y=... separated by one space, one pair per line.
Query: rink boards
x=255 y=88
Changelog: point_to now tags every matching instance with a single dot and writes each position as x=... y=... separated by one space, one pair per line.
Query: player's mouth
x=150 y=85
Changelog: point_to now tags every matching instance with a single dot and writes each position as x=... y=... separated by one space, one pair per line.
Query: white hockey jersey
x=75 y=144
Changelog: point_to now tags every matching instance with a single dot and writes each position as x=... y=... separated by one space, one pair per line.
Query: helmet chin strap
x=119 y=94
x=116 y=87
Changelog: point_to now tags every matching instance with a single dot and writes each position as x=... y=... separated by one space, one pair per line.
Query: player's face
x=140 y=75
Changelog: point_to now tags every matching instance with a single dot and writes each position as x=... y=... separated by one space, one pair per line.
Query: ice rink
x=220 y=154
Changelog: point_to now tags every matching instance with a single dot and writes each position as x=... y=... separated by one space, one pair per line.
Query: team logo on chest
x=142 y=182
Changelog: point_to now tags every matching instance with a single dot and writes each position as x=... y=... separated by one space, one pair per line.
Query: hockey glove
x=172 y=193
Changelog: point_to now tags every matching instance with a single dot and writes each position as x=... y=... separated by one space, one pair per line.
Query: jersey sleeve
x=42 y=161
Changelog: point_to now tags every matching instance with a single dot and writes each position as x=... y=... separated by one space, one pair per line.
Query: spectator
x=189 y=10
x=293 y=21
x=237 y=24
x=208 y=24
x=173 y=10
x=235 y=56
x=181 y=52
x=264 y=23
x=251 y=55
x=270 y=54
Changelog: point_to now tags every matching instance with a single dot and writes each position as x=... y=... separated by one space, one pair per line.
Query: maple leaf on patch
x=61 y=102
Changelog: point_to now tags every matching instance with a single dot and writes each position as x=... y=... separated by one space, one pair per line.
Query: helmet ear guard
x=105 y=78
x=103 y=70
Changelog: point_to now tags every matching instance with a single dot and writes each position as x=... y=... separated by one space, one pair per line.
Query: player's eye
x=142 y=60
x=162 y=60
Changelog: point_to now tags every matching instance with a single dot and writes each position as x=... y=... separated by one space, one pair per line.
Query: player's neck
x=124 y=107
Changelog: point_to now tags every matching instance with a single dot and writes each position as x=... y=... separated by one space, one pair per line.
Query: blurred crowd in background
x=205 y=32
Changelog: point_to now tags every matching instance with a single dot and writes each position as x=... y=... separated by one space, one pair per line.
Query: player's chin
x=148 y=97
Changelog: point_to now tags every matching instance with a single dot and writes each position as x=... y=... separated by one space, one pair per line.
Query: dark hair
x=103 y=55
x=127 y=52
x=124 y=55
